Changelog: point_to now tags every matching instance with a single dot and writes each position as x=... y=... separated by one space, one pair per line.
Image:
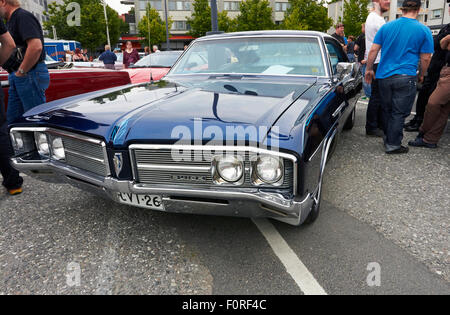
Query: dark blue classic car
x=242 y=125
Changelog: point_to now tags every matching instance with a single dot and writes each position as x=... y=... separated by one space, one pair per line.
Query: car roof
x=266 y=33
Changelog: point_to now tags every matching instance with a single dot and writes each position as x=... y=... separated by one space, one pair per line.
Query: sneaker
x=401 y=150
x=418 y=142
x=375 y=133
x=15 y=191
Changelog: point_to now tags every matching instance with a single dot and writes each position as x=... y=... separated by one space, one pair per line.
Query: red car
x=70 y=82
x=157 y=64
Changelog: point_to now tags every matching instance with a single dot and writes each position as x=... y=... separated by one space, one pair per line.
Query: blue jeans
x=351 y=57
x=366 y=87
x=399 y=92
x=27 y=92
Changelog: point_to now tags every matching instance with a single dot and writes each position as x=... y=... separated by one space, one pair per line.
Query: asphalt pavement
x=383 y=229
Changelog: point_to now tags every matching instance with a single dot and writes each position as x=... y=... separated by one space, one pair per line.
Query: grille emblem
x=118 y=163
x=189 y=178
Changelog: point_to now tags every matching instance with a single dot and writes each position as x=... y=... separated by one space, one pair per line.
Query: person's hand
x=363 y=62
x=370 y=76
x=18 y=74
x=421 y=78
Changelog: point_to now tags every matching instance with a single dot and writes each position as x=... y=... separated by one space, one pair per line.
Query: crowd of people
x=391 y=54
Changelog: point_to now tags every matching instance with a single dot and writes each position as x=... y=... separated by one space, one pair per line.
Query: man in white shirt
x=375 y=20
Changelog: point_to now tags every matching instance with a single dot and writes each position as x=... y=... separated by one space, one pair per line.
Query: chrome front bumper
x=251 y=202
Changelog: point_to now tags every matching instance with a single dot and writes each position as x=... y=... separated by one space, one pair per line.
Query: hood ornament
x=118 y=163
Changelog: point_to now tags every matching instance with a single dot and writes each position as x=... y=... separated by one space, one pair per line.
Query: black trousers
x=374 y=116
x=11 y=178
x=428 y=87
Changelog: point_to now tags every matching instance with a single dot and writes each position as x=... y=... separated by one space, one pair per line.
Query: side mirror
x=344 y=69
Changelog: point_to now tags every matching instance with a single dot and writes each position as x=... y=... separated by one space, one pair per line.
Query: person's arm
x=32 y=55
x=445 y=42
x=373 y=53
x=125 y=59
x=424 y=64
x=7 y=48
x=102 y=56
x=114 y=57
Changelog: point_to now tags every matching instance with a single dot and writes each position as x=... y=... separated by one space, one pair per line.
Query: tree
x=200 y=21
x=225 y=22
x=91 y=31
x=355 y=14
x=157 y=26
x=254 y=15
x=293 y=21
x=307 y=15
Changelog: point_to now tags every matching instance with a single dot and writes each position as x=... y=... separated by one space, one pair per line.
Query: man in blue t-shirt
x=403 y=43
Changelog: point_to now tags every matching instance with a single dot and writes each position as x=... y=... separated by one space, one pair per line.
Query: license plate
x=143 y=201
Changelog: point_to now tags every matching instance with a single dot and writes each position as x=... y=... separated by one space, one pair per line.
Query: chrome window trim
x=319 y=39
x=72 y=135
x=211 y=148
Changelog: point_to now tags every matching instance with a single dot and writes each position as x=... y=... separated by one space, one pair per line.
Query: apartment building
x=434 y=13
x=38 y=7
x=180 y=10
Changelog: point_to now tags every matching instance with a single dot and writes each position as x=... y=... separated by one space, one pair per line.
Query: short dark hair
x=411 y=5
x=339 y=25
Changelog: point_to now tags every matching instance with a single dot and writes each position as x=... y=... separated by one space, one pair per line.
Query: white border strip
x=296 y=269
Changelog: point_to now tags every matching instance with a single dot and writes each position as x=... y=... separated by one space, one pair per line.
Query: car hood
x=165 y=111
x=142 y=75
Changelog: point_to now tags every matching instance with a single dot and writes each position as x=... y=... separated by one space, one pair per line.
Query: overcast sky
x=115 y=4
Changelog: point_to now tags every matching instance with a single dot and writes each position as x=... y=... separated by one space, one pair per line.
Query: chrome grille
x=157 y=166
x=84 y=154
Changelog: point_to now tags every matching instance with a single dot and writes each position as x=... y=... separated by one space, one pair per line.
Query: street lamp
x=106 y=19
x=214 y=26
x=55 y=37
x=167 y=27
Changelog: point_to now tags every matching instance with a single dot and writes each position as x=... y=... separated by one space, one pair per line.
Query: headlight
x=58 y=149
x=17 y=141
x=269 y=169
x=42 y=143
x=230 y=168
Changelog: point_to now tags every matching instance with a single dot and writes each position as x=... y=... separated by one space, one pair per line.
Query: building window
x=180 y=26
x=179 y=5
x=231 y=6
x=282 y=6
x=156 y=4
x=437 y=14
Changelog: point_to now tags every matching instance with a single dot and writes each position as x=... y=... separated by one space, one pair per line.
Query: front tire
x=315 y=210
x=350 y=123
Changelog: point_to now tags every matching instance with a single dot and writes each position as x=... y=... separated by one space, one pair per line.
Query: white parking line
x=296 y=269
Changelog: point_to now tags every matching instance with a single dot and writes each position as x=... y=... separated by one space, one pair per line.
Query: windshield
x=48 y=58
x=158 y=60
x=255 y=55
